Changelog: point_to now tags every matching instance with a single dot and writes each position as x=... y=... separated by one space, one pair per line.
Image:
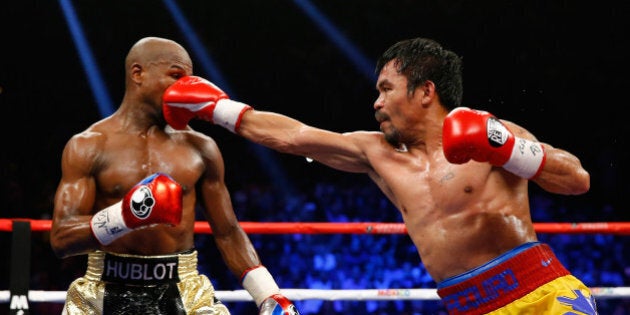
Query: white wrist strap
x=527 y=158
x=108 y=224
x=228 y=113
x=260 y=284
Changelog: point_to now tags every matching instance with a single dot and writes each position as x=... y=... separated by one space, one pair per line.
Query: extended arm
x=194 y=97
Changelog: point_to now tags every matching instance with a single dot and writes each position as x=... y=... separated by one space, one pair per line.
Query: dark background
x=556 y=67
x=559 y=68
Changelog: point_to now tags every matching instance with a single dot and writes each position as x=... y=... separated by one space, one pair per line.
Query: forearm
x=563 y=173
x=72 y=237
x=242 y=259
x=194 y=97
x=237 y=251
x=272 y=130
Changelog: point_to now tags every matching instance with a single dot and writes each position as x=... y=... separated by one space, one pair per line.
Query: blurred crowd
x=347 y=261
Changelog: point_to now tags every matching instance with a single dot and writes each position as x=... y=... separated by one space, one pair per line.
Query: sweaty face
x=157 y=76
x=163 y=62
x=392 y=96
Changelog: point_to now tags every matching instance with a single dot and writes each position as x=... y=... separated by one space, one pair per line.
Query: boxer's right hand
x=195 y=97
x=156 y=199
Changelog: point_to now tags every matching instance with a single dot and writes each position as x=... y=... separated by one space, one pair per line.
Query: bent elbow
x=583 y=183
x=577 y=184
x=57 y=249
x=59 y=246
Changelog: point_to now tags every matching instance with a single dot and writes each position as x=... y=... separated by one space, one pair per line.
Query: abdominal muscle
x=457 y=244
x=462 y=216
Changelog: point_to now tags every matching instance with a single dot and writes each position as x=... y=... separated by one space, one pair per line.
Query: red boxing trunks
x=528 y=279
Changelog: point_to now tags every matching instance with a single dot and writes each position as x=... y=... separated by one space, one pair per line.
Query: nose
x=378 y=103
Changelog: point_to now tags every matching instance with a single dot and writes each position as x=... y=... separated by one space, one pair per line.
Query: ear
x=427 y=93
x=136 y=72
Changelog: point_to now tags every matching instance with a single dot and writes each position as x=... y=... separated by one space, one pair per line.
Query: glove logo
x=497 y=133
x=142 y=202
x=291 y=310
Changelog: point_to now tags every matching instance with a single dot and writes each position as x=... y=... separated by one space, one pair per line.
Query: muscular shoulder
x=365 y=135
x=369 y=141
x=203 y=143
x=90 y=141
x=365 y=138
x=350 y=151
x=208 y=151
x=82 y=149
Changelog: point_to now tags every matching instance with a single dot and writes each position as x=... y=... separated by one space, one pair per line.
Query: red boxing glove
x=195 y=97
x=156 y=199
x=478 y=135
x=263 y=288
x=278 y=304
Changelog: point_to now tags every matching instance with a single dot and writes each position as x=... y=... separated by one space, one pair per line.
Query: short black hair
x=421 y=59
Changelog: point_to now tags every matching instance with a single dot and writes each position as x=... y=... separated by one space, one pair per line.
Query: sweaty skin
x=101 y=164
x=458 y=216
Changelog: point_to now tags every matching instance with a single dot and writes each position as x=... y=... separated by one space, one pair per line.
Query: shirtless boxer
x=127 y=199
x=459 y=177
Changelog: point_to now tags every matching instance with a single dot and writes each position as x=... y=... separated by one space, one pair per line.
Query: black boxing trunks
x=529 y=279
x=116 y=284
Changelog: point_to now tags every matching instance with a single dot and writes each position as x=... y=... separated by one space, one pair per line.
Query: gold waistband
x=186 y=263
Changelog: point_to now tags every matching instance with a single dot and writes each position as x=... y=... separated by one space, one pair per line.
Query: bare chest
x=426 y=190
x=130 y=159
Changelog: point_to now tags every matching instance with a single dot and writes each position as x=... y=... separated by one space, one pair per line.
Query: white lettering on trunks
x=140 y=271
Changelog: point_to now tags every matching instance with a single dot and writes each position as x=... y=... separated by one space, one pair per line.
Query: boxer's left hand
x=478 y=135
x=278 y=304
x=195 y=97
x=263 y=288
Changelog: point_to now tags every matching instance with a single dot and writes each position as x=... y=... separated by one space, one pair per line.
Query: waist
x=141 y=270
x=502 y=280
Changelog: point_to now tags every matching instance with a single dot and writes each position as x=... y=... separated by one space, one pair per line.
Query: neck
x=139 y=116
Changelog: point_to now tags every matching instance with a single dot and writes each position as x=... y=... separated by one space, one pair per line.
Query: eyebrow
x=382 y=83
x=178 y=67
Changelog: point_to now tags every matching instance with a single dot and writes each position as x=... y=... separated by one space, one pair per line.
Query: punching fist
x=263 y=288
x=478 y=135
x=278 y=304
x=156 y=199
x=195 y=97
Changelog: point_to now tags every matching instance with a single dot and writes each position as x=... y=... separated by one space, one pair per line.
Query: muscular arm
x=562 y=173
x=74 y=200
x=236 y=249
x=341 y=151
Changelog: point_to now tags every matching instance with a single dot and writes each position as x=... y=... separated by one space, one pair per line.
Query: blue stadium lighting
x=354 y=54
x=93 y=74
x=209 y=68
